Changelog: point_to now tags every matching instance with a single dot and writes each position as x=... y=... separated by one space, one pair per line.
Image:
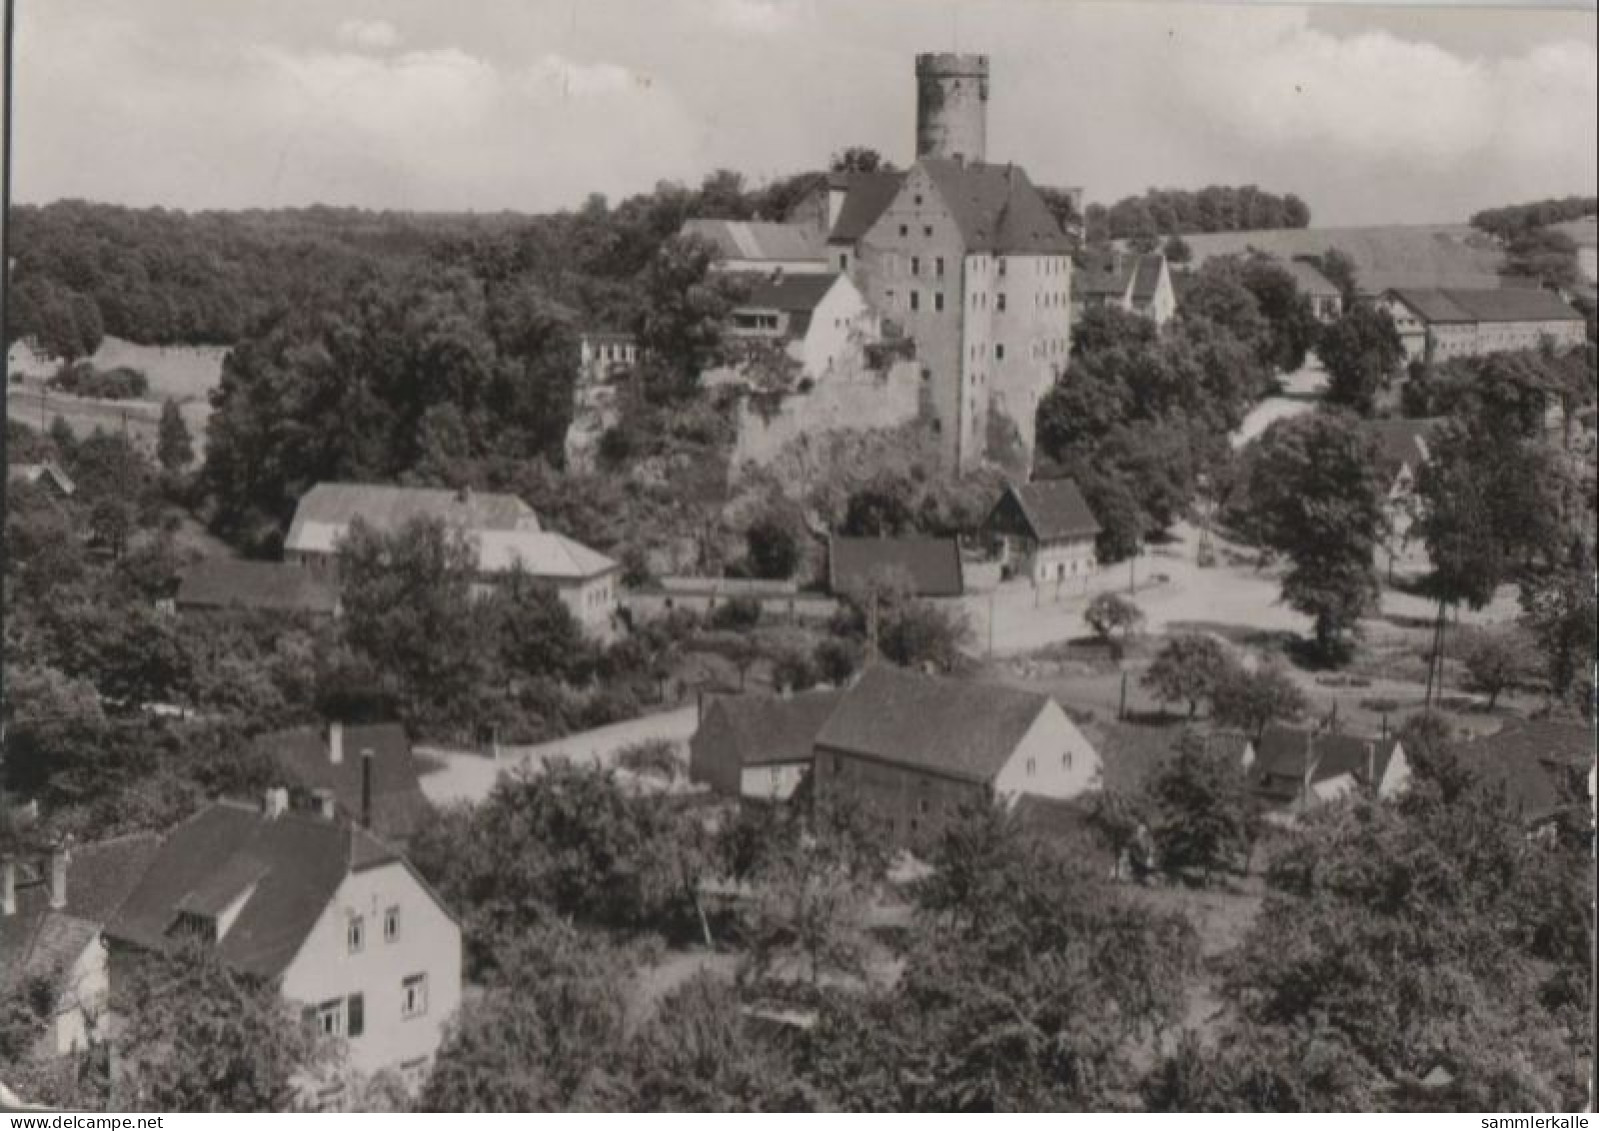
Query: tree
x=1495 y=662
x=1316 y=497
x=1176 y=250
x=774 y=542
x=1362 y=354
x=1253 y=700
x=917 y=634
x=685 y=308
x=1121 y=520
x=1558 y=608
x=1203 y=811
x=1109 y=613
x=1188 y=667
x=174 y=448
x=196 y=1036
x=859 y=159
x=1546 y=254
x=407 y=608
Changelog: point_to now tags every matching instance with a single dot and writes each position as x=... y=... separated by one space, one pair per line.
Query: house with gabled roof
x=758 y=746
x=821 y=319
x=337 y=919
x=1138 y=284
x=1545 y=768
x=916 y=750
x=54 y=904
x=1293 y=770
x=47 y=474
x=1046 y=532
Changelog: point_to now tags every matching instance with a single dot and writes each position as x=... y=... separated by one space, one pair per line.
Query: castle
x=964 y=257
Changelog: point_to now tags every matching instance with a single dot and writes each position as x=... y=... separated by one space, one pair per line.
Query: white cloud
x=757 y=17
x=368 y=35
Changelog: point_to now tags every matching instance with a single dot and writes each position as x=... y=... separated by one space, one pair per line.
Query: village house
x=234 y=584
x=1046 y=533
x=1545 y=770
x=360 y=773
x=926 y=566
x=1138 y=284
x=54 y=904
x=1292 y=771
x=340 y=921
x=759 y=747
x=502 y=528
x=915 y=751
x=762 y=247
x=1437 y=324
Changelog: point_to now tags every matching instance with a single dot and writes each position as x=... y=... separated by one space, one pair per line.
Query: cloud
x=757 y=17
x=368 y=35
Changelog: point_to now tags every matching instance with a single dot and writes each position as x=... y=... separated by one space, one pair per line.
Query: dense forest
x=1512 y=219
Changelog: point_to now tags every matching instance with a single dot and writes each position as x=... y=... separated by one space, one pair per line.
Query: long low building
x=1438 y=324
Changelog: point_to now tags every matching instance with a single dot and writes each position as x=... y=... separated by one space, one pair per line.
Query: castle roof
x=996 y=208
x=758 y=240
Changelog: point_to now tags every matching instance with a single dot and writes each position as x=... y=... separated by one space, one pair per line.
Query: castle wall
x=1032 y=328
x=855 y=403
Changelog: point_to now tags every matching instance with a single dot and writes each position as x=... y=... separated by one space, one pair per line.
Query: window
x=355 y=934
x=391 y=924
x=1032 y=766
x=918 y=198
x=938 y=301
x=904 y=230
x=927 y=374
x=999 y=351
x=916 y=265
x=923 y=805
x=330 y=1018
x=355 y=1015
x=414 y=996
x=1066 y=760
x=927 y=230
x=916 y=300
x=1002 y=273
x=938 y=266
x=999 y=300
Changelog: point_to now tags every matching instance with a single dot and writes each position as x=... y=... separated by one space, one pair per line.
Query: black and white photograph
x=799 y=556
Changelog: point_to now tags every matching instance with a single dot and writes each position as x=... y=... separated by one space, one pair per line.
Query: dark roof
x=1054 y=508
x=1307 y=279
x=37 y=940
x=399 y=808
x=1532 y=762
x=953 y=727
x=1280 y=758
x=1146 y=278
x=220 y=583
x=996 y=208
x=286 y=869
x=933 y=565
x=768 y=730
x=1506 y=304
x=1102 y=273
x=796 y=293
x=866 y=197
x=1401 y=441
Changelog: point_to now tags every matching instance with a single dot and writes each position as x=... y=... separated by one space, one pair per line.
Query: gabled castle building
x=965 y=258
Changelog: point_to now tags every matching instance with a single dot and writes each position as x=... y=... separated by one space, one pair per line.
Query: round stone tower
x=952 y=106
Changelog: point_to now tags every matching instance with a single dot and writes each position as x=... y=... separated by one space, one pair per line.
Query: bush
x=1109 y=613
x=836 y=661
x=82 y=379
x=653 y=757
x=738 y=614
x=794 y=670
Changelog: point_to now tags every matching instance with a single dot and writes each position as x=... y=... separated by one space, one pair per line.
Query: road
x=469 y=776
x=1301 y=390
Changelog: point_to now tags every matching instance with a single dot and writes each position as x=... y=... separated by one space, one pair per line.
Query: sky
x=1371 y=114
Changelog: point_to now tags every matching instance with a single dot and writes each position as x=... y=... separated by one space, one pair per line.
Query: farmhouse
x=338 y=919
x=915 y=750
x=1438 y=324
x=1296 y=770
x=54 y=904
x=1046 y=532
x=759 y=746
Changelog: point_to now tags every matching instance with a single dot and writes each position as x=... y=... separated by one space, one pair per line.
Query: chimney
x=366 y=787
x=8 y=886
x=336 y=742
x=58 y=877
x=275 y=802
x=324 y=803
